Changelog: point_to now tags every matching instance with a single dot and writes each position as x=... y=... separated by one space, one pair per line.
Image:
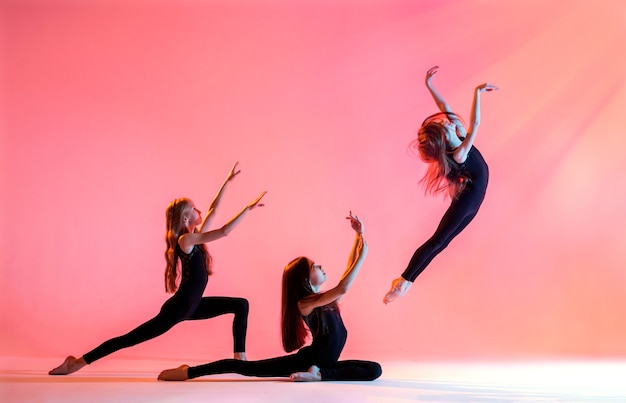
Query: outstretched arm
x=460 y=154
x=439 y=101
x=442 y=104
x=355 y=261
x=194 y=238
x=357 y=226
x=218 y=197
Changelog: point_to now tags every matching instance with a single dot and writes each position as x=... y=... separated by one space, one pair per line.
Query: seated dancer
x=303 y=303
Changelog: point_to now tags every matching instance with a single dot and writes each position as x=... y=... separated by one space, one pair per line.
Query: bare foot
x=399 y=287
x=174 y=374
x=241 y=356
x=70 y=365
x=312 y=375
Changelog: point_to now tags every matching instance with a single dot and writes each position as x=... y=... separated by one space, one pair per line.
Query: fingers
x=355 y=223
x=431 y=72
x=487 y=87
x=490 y=87
x=234 y=171
x=354 y=218
x=258 y=199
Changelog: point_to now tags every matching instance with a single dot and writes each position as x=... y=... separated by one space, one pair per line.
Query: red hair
x=444 y=174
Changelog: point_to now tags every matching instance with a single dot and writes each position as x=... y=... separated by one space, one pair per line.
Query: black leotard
x=194 y=278
x=324 y=352
x=327 y=343
x=460 y=213
x=186 y=304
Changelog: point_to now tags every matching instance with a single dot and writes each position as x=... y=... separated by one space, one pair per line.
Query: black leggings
x=456 y=218
x=171 y=313
x=349 y=370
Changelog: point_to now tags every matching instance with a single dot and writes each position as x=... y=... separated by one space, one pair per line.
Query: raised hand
x=430 y=74
x=486 y=87
x=233 y=172
x=356 y=223
x=256 y=201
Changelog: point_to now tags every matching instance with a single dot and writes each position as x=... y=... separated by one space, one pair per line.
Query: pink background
x=110 y=109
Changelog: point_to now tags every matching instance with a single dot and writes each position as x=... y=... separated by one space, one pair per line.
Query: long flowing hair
x=444 y=174
x=296 y=286
x=175 y=227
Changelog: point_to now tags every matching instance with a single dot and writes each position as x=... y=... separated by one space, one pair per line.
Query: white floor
x=116 y=380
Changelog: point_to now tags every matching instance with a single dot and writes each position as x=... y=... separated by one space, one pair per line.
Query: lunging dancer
x=185 y=242
x=303 y=303
x=455 y=167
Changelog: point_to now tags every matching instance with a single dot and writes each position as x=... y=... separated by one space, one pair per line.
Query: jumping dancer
x=302 y=303
x=185 y=242
x=455 y=167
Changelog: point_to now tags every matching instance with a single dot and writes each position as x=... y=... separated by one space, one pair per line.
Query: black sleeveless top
x=476 y=167
x=328 y=342
x=194 y=276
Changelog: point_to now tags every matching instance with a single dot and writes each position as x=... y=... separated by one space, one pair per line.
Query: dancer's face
x=193 y=215
x=317 y=276
x=449 y=129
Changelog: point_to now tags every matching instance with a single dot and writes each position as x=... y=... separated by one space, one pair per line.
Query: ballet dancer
x=457 y=168
x=185 y=243
x=303 y=304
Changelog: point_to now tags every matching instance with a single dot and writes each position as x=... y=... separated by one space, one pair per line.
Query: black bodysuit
x=324 y=352
x=186 y=304
x=461 y=211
